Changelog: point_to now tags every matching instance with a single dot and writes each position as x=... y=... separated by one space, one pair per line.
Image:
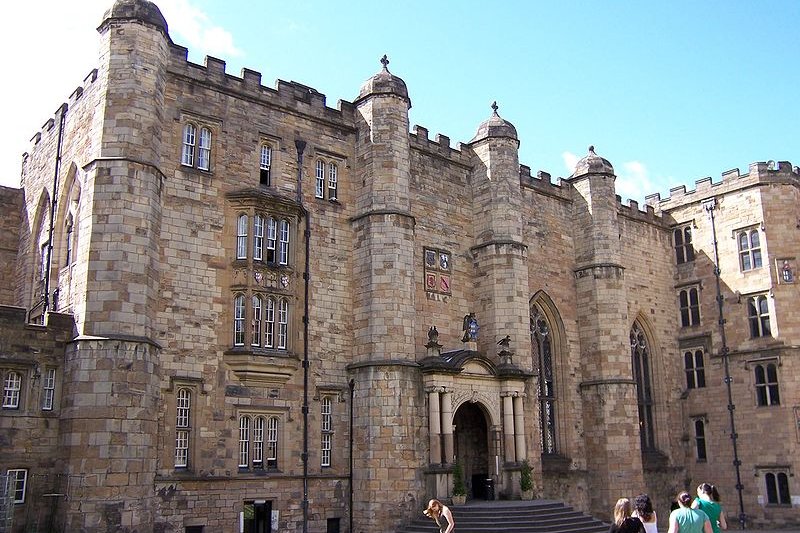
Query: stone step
x=538 y=516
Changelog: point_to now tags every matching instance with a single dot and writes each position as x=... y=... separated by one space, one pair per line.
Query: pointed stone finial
x=494 y=107
x=385 y=61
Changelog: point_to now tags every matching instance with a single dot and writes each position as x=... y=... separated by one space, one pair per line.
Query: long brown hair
x=622 y=510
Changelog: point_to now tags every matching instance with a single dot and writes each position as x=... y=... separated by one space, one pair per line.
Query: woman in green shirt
x=708 y=501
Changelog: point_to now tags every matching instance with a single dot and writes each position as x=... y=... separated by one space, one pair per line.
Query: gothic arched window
x=541 y=340
x=640 y=360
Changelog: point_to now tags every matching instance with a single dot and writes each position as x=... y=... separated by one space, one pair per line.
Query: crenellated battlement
x=49 y=125
x=543 y=182
x=439 y=145
x=758 y=172
x=289 y=94
x=632 y=210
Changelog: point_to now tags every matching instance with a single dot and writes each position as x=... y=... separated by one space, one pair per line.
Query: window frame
x=766 y=384
x=749 y=249
x=48 y=389
x=700 y=436
x=689 y=304
x=326 y=431
x=694 y=368
x=188 y=144
x=183 y=427
x=326 y=174
x=21 y=491
x=13 y=381
x=265 y=164
x=682 y=244
x=776 y=486
x=541 y=340
x=642 y=375
x=758 y=316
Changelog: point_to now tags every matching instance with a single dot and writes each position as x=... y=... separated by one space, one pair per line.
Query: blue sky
x=669 y=92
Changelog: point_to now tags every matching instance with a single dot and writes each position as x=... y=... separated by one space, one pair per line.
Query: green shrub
x=525 y=480
x=459 y=489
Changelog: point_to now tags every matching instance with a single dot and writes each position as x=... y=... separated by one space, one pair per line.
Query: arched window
x=684 y=250
x=749 y=249
x=319 y=189
x=758 y=316
x=695 y=369
x=241 y=237
x=183 y=403
x=265 y=165
x=333 y=181
x=269 y=322
x=283 y=251
x=640 y=360
x=777 y=488
x=258 y=442
x=690 y=307
x=326 y=427
x=12 y=387
x=272 y=239
x=255 y=339
x=238 y=320
x=700 y=440
x=244 y=442
x=541 y=340
x=68 y=242
x=766 y=382
x=272 y=442
x=189 y=143
x=204 y=149
x=283 y=323
x=258 y=237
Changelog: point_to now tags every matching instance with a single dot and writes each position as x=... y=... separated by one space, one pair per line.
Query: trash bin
x=489 y=484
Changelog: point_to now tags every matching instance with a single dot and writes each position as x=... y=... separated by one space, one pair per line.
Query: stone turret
x=608 y=390
x=112 y=371
x=500 y=256
x=384 y=368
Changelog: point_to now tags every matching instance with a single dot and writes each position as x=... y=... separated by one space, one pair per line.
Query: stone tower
x=112 y=372
x=607 y=389
x=499 y=254
x=384 y=373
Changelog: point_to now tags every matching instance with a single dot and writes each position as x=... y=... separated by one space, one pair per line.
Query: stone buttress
x=608 y=391
x=112 y=371
x=388 y=414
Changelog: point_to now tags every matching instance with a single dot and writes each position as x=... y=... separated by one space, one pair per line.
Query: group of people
x=703 y=514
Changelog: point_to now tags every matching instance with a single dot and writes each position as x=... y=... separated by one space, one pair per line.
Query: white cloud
x=191 y=27
x=55 y=47
x=633 y=179
x=634 y=182
x=570 y=160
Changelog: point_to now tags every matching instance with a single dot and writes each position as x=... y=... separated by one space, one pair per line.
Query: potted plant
x=525 y=481
x=459 y=489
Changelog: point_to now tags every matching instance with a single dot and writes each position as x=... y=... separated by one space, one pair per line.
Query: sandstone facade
x=258 y=309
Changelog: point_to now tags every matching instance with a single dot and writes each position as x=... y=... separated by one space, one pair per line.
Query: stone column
x=447 y=424
x=435 y=426
x=519 y=427
x=508 y=427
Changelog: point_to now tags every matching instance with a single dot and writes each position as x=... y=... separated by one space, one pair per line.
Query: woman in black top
x=623 y=521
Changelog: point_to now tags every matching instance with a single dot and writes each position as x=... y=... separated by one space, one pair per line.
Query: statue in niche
x=470 y=328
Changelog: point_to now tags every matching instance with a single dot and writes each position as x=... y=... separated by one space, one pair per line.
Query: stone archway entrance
x=472 y=449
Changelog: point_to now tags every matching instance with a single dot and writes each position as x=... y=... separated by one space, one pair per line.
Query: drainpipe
x=53 y=202
x=300 y=145
x=350 y=474
x=709 y=206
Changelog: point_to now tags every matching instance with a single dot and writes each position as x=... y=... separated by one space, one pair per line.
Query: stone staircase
x=538 y=516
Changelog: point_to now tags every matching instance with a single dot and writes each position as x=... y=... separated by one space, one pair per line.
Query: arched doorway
x=471 y=447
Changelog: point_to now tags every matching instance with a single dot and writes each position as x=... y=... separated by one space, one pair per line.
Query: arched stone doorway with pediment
x=476 y=417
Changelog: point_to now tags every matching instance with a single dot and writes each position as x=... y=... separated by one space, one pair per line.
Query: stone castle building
x=230 y=306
